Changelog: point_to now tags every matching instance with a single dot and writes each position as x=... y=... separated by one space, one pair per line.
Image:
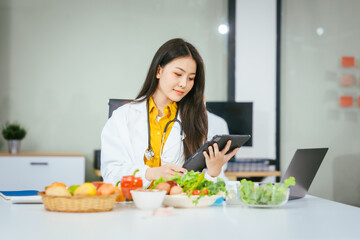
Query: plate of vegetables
x=265 y=195
x=190 y=190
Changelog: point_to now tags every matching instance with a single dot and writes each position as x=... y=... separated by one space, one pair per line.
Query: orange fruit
x=120 y=197
x=57 y=184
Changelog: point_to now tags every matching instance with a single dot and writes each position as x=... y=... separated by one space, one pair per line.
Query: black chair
x=113 y=105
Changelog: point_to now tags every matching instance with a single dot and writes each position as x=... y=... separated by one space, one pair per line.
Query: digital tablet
x=197 y=161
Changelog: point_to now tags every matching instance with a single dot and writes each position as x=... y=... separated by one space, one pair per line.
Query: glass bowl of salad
x=265 y=195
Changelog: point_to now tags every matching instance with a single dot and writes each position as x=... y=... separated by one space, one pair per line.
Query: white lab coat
x=125 y=138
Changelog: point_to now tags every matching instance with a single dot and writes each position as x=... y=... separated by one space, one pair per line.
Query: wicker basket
x=95 y=203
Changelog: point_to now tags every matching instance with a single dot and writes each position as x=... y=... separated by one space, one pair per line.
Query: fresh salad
x=268 y=194
x=193 y=183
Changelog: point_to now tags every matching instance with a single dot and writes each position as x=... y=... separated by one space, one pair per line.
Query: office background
x=60 y=61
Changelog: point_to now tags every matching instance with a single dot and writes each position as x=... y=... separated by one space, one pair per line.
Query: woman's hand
x=216 y=159
x=166 y=171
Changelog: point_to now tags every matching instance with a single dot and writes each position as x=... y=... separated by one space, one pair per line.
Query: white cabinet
x=36 y=171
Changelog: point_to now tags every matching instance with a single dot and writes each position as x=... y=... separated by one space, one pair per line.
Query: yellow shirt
x=157 y=130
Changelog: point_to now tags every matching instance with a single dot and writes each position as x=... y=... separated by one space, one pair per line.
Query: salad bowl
x=191 y=190
x=284 y=200
x=267 y=195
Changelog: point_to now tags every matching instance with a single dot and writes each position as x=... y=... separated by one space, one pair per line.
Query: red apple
x=97 y=184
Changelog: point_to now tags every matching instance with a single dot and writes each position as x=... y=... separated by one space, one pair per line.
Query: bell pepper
x=129 y=183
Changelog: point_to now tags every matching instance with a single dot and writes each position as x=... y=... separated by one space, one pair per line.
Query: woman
x=168 y=119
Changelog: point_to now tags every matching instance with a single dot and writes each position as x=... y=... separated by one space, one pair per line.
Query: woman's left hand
x=216 y=159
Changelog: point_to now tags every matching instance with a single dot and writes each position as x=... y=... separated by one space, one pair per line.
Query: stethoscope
x=149 y=153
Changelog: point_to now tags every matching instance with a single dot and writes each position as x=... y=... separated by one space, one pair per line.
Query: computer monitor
x=238 y=116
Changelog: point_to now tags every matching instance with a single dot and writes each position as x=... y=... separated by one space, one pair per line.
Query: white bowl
x=148 y=200
x=184 y=201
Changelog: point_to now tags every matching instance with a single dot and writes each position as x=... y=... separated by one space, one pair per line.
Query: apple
x=97 y=184
x=72 y=189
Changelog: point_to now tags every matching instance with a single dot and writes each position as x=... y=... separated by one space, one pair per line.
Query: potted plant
x=13 y=133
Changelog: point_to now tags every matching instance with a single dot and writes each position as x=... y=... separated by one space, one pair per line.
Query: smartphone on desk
x=197 y=161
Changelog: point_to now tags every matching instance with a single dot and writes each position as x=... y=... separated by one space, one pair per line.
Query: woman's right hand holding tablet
x=216 y=159
x=166 y=171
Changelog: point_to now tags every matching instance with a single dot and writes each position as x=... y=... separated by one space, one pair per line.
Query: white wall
x=61 y=61
x=256 y=72
x=310 y=87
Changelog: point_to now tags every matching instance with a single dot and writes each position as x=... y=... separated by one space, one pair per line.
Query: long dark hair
x=191 y=108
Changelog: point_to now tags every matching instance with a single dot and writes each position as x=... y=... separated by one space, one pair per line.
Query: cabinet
x=37 y=170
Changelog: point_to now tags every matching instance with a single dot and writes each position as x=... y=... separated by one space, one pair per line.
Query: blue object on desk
x=20 y=193
x=218 y=201
x=22 y=196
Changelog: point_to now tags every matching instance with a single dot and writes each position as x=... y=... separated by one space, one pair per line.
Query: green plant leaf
x=13 y=131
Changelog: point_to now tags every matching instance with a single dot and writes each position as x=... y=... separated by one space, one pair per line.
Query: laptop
x=303 y=167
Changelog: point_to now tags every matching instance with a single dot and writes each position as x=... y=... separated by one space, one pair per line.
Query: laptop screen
x=303 y=167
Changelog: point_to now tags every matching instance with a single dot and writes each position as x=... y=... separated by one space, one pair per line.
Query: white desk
x=308 y=218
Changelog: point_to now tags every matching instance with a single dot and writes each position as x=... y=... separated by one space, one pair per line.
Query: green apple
x=72 y=189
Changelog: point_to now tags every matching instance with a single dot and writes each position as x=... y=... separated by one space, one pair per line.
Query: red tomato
x=204 y=191
x=196 y=192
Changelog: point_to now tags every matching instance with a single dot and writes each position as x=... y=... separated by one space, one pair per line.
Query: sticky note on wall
x=359 y=102
x=347 y=80
x=347 y=61
x=346 y=101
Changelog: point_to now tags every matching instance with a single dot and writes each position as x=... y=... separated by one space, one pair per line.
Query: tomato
x=204 y=191
x=196 y=192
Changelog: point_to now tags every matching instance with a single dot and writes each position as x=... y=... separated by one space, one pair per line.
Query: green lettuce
x=269 y=194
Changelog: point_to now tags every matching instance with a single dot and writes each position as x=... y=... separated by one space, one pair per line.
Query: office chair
x=113 y=105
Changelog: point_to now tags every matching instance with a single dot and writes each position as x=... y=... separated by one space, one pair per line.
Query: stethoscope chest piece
x=149 y=153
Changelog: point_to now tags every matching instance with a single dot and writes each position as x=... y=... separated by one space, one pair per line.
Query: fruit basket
x=97 y=203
